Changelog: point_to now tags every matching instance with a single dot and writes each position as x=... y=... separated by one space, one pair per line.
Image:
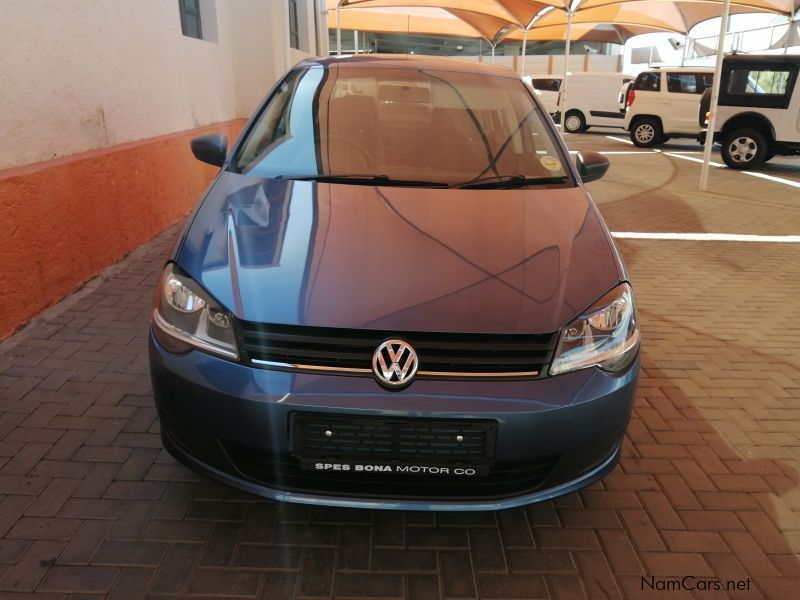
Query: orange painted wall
x=64 y=220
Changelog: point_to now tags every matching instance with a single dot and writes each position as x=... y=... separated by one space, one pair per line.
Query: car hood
x=399 y=259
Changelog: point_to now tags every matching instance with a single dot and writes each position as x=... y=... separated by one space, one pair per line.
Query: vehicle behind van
x=662 y=103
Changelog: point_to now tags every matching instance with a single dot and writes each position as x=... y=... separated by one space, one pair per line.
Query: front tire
x=646 y=132
x=575 y=122
x=744 y=149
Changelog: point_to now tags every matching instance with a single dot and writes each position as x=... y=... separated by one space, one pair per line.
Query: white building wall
x=77 y=75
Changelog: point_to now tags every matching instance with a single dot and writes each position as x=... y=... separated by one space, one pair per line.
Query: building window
x=294 y=26
x=191 y=24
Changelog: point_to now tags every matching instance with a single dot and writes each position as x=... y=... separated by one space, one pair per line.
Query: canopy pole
x=685 y=46
x=338 y=31
x=712 y=121
x=563 y=89
x=524 y=50
x=355 y=40
x=789 y=32
x=493 y=45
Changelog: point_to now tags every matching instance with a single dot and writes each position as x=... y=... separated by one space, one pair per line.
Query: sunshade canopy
x=662 y=14
x=491 y=18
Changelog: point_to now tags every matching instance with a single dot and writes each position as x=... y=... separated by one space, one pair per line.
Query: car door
x=683 y=97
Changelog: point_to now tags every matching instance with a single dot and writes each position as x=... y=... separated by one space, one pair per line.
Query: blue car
x=396 y=294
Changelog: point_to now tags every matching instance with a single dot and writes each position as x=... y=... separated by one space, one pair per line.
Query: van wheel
x=575 y=122
x=770 y=155
x=744 y=149
x=646 y=132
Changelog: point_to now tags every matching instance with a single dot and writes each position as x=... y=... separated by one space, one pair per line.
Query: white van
x=592 y=98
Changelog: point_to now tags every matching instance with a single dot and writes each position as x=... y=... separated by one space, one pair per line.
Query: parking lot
x=708 y=487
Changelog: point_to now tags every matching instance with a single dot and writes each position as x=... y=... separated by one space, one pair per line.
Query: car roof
x=765 y=58
x=406 y=61
x=679 y=70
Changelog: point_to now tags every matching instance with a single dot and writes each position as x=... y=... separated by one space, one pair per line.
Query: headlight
x=604 y=336
x=190 y=317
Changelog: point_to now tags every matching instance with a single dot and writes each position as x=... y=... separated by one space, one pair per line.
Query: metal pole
x=685 y=46
x=789 y=32
x=338 y=32
x=355 y=40
x=524 y=49
x=492 y=54
x=712 y=121
x=563 y=89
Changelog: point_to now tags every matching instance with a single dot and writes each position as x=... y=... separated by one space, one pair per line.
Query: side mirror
x=211 y=148
x=591 y=165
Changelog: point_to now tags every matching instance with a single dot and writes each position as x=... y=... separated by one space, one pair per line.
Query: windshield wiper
x=356 y=179
x=496 y=182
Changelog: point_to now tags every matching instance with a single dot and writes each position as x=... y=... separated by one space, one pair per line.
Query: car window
x=405 y=124
x=546 y=84
x=648 y=82
x=682 y=83
x=746 y=81
x=704 y=81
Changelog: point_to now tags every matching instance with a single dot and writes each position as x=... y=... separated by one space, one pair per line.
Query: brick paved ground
x=91 y=506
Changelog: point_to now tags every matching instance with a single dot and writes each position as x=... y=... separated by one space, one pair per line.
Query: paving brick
x=177 y=531
x=307 y=535
x=437 y=537
x=455 y=571
x=514 y=528
x=277 y=586
x=566 y=587
x=540 y=561
x=37 y=528
x=643 y=533
x=50 y=501
x=749 y=554
x=676 y=564
x=221 y=545
x=487 y=549
x=215 y=511
x=512 y=586
x=11 y=550
x=222 y=582
x=317 y=571
x=422 y=587
x=131 y=584
x=174 y=571
x=26 y=574
x=130 y=554
x=354 y=548
x=620 y=552
x=79 y=579
x=368 y=585
x=268 y=556
x=405 y=561
x=84 y=542
x=11 y=509
x=694 y=541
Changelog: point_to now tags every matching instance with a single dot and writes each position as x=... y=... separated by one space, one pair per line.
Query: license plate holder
x=394 y=445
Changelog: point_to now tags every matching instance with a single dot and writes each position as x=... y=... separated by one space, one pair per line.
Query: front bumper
x=233 y=423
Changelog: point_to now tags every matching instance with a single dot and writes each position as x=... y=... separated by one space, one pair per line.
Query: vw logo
x=395 y=363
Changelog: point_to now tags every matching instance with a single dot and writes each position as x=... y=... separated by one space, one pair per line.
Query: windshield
x=385 y=125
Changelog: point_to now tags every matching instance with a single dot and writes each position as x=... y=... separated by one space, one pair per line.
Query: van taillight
x=708 y=117
x=631 y=97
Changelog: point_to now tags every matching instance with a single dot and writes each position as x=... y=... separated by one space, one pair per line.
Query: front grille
x=440 y=354
x=434 y=441
x=282 y=471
